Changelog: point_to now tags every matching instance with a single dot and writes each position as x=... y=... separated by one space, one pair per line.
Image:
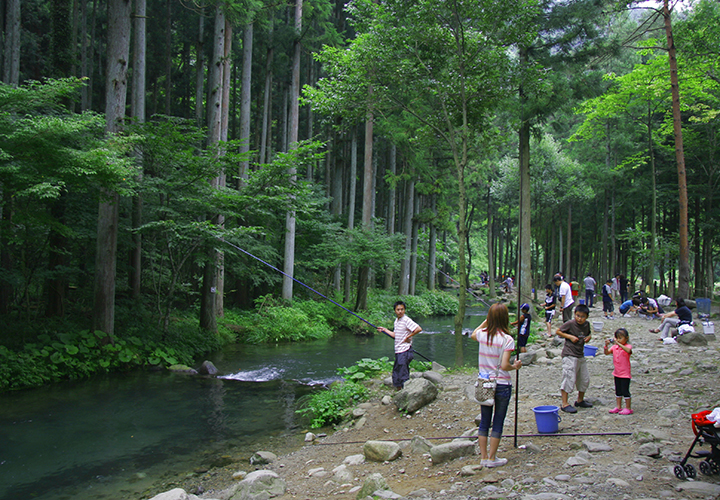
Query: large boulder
x=263 y=458
x=692 y=339
x=208 y=368
x=416 y=394
x=381 y=451
x=450 y=451
x=373 y=483
x=175 y=494
x=260 y=485
x=434 y=377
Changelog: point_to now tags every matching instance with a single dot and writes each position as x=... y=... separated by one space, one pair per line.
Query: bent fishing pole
x=309 y=288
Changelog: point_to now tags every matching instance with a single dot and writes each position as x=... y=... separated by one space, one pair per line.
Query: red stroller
x=705 y=433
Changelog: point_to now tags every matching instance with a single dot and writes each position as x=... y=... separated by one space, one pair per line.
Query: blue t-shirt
x=524 y=325
x=625 y=306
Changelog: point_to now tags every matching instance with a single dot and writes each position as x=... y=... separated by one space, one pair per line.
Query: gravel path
x=670 y=382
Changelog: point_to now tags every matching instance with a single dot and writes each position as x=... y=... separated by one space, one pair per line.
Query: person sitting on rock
x=680 y=316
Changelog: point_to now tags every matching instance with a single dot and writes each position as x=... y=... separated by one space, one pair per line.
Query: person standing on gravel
x=589 y=289
x=496 y=346
x=403 y=332
x=565 y=300
x=575 y=374
x=621 y=351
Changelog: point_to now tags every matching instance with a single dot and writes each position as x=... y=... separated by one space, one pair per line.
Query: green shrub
x=330 y=406
x=81 y=354
x=365 y=368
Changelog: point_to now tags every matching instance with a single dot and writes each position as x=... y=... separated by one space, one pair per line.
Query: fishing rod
x=546 y=434
x=309 y=288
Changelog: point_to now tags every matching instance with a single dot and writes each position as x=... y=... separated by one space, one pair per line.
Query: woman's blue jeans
x=494 y=416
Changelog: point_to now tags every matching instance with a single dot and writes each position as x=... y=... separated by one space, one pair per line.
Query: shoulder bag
x=485 y=387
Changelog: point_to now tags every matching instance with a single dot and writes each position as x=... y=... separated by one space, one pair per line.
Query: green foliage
x=420 y=366
x=330 y=406
x=275 y=321
x=365 y=368
x=79 y=355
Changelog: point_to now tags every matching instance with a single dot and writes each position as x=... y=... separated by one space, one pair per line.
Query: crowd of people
x=496 y=346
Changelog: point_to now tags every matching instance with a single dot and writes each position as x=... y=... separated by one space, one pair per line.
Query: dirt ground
x=670 y=382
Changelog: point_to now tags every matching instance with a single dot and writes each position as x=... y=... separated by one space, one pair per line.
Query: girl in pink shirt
x=621 y=351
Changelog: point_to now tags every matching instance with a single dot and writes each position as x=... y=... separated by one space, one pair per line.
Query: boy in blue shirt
x=608 y=306
x=523 y=324
x=549 y=308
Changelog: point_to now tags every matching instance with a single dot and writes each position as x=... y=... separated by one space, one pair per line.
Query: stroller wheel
x=690 y=471
x=715 y=467
x=706 y=468
x=679 y=472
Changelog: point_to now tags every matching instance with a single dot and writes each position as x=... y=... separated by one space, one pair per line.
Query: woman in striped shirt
x=496 y=346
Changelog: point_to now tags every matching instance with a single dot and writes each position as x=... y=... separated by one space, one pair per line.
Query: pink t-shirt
x=621 y=360
x=489 y=356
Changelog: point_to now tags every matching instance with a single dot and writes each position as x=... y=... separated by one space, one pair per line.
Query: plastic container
x=597 y=326
x=703 y=307
x=582 y=301
x=708 y=327
x=590 y=350
x=547 y=418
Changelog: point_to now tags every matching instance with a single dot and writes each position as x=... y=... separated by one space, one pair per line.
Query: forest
x=161 y=161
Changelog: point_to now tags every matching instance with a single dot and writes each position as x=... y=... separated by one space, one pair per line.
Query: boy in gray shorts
x=574 y=369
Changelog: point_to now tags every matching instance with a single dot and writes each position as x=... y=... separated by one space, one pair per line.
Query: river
x=115 y=436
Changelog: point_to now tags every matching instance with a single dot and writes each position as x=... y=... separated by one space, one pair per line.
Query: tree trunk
x=684 y=253
x=650 y=272
x=168 y=57
x=524 y=278
x=351 y=206
x=84 y=58
x=414 y=245
x=245 y=100
x=137 y=111
x=108 y=215
x=200 y=69
x=367 y=213
x=267 y=102
x=432 y=253
x=569 y=246
x=490 y=238
x=407 y=229
x=208 y=302
x=289 y=266
x=224 y=126
x=11 y=62
x=392 y=195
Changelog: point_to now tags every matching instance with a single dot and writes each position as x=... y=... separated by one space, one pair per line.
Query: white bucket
x=708 y=327
x=597 y=326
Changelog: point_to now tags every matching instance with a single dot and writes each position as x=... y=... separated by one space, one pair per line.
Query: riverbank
x=669 y=383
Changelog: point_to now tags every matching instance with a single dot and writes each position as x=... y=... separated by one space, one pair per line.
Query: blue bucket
x=547 y=418
x=590 y=350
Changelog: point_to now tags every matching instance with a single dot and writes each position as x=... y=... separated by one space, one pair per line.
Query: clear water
x=116 y=436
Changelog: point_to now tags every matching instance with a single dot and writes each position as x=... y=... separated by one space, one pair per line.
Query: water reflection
x=111 y=437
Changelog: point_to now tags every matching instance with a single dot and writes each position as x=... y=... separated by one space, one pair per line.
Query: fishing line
x=309 y=288
x=470 y=290
x=566 y=434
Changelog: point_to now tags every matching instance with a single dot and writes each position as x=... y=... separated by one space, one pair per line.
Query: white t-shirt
x=403 y=327
x=566 y=291
x=590 y=283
